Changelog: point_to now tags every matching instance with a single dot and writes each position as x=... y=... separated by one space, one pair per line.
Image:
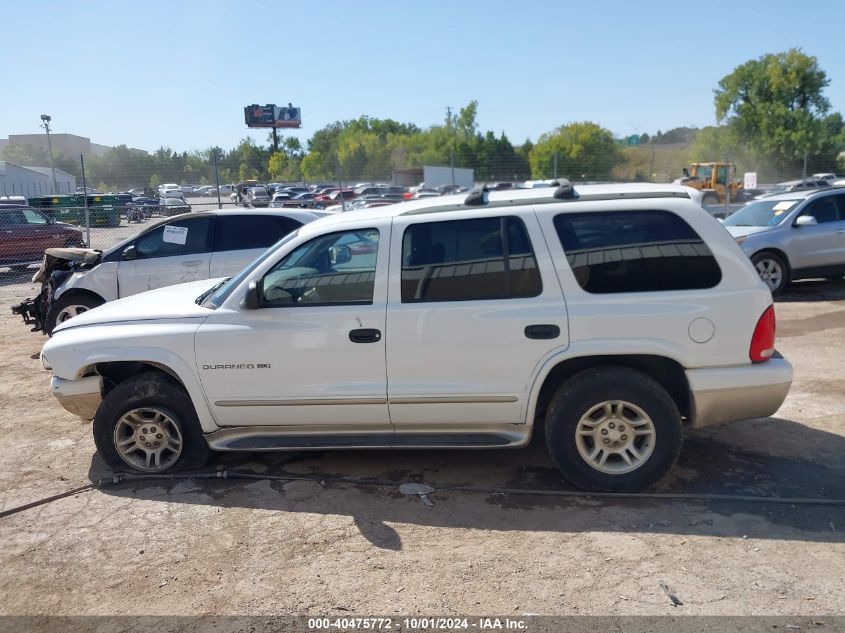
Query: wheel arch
x=116 y=371
x=666 y=371
x=776 y=251
x=72 y=292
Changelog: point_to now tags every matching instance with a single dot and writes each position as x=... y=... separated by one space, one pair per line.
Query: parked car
x=205 y=190
x=136 y=192
x=226 y=189
x=454 y=322
x=789 y=186
x=185 y=248
x=279 y=198
x=173 y=206
x=828 y=177
x=793 y=236
x=256 y=197
x=170 y=190
x=335 y=196
x=239 y=194
x=146 y=206
x=25 y=233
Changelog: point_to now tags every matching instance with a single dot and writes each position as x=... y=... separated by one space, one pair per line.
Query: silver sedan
x=791 y=236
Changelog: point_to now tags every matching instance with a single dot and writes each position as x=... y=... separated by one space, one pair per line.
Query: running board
x=244 y=439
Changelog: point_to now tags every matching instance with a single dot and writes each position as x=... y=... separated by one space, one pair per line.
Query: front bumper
x=727 y=394
x=81 y=397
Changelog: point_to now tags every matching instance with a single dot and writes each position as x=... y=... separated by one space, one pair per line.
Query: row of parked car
x=331 y=198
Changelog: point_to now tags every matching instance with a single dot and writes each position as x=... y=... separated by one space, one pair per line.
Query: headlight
x=741 y=239
x=45 y=363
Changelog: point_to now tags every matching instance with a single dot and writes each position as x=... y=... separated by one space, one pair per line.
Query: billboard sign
x=271 y=115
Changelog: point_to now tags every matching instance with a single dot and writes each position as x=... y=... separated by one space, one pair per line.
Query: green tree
x=586 y=151
x=775 y=104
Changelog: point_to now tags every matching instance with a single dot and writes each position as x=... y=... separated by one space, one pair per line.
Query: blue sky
x=178 y=73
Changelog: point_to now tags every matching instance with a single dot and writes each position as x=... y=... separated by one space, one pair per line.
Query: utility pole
x=46 y=118
x=804 y=169
x=87 y=210
x=452 y=138
x=275 y=140
x=340 y=186
x=217 y=178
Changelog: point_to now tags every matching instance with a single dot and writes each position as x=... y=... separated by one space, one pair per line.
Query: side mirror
x=130 y=253
x=806 y=220
x=252 y=300
x=340 y=255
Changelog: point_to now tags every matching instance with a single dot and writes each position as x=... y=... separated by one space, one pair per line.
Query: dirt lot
x=235 y=547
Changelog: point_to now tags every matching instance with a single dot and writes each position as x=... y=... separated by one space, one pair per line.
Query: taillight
x=763 y=339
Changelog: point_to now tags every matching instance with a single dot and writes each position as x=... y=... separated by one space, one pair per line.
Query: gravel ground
x=257 y=547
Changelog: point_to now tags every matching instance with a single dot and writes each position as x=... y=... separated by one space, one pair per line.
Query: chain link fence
x=122 y=201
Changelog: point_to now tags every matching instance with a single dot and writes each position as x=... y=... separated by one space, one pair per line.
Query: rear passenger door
x=172 y=253
x=240 y=238
x=474 y=305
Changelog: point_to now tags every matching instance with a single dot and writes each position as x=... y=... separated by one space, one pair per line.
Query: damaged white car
x=184 y=248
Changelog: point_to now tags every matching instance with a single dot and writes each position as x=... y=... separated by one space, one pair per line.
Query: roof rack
x=564 y=192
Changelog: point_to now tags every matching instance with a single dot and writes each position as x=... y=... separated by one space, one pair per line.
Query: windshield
x=222 y=291
x=762 y=213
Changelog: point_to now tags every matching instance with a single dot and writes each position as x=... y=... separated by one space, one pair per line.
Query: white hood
x=745 y=231
x=170 y=302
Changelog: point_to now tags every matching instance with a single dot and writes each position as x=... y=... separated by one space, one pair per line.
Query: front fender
x=73 y=353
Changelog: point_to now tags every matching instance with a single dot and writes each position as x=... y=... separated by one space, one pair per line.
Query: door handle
x=365 y=335
x=542 y=331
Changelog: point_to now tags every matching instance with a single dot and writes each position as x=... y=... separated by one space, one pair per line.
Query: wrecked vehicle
x=180 y=249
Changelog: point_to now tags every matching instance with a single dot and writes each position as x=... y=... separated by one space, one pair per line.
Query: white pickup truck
x=617 y=315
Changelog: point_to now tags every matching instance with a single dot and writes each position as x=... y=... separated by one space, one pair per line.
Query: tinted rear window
x=465 y=260
x=242 y=232
x=635 y=251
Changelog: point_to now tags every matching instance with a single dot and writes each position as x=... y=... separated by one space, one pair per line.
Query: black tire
x=55 y=314
x=589 y=389
x=162 y=393
x=765 y=258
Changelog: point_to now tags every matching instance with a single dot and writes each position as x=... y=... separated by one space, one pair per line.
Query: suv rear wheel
x=148 y=424
x=613 y=429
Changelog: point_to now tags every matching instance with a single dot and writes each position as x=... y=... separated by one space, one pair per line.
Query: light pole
x=46 y=118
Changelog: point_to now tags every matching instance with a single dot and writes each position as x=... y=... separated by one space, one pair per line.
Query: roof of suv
x=512 y=197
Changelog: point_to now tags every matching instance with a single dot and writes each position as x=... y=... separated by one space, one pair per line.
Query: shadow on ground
x=705 y=467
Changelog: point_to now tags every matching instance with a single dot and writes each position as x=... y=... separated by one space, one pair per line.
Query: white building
x=17 y=180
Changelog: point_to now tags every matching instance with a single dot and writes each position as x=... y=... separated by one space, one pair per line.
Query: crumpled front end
x=58 y=264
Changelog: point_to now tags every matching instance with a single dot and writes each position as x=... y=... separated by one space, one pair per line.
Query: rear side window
x=243 y=232
x=465 y=260
x=635 y=251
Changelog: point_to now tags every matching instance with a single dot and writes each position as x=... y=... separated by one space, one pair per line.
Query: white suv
x=618 y=314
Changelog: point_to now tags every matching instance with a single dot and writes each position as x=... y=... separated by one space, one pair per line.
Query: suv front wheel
x=613 y=429
x=773 y=270
x=148 y=424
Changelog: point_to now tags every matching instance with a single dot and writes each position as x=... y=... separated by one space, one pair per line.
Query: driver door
x=313 y=353
x=172 y=253
x=822 y=245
